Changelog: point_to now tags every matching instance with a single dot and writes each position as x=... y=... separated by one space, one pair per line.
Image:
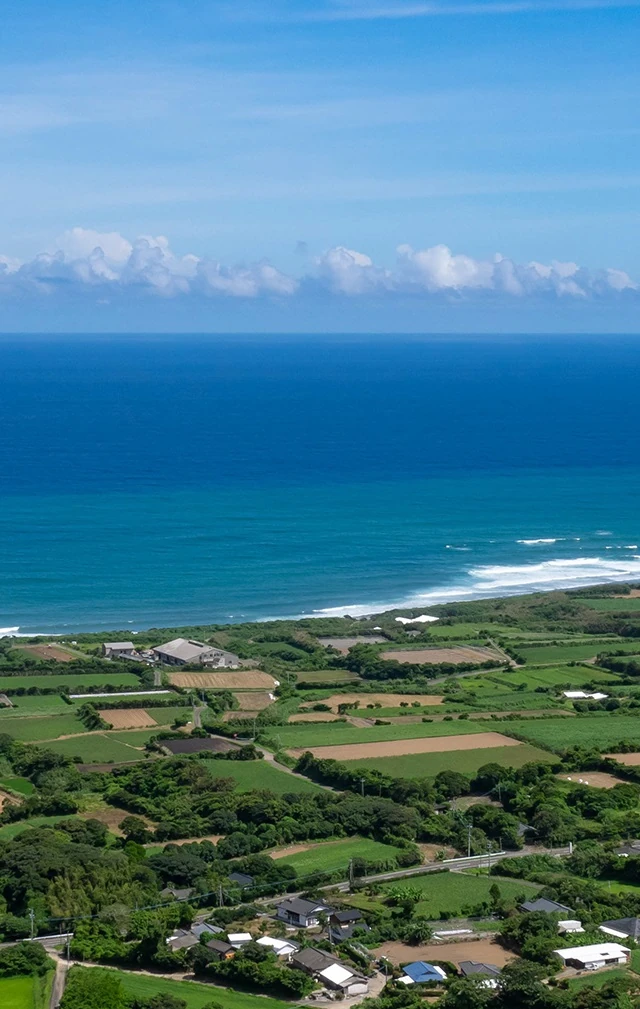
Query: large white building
x=594 y=957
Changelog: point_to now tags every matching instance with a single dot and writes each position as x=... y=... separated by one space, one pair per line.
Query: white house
x=343 y=980
x=593 y=957
x=300 y=912
x=283 y=948
x=580 y=695
x=119 y=650
x=570 y=925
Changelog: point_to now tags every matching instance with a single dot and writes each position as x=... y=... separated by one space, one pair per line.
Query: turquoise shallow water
x=151 y=483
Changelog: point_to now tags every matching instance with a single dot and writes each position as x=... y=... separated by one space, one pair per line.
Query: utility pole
x=350 y=872
x=489 y=848
x=68 y=946
x=32 y=917
x=362 y=786
x=220 y=896
x=469 y=829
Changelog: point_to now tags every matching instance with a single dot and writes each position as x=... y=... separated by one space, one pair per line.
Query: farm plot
x=480 y=950
x=386 y=700
x=307 y=716
x=10 y=830
x=253 y=700
x=35 y=704
x=427 y=765
x=260 y=774
x=333 y=676
x=128 y=718
x=30 y=730
x=331 y=856
x=307 y=736
x=614 y=604
x=103 y=747
x=452 y=892
x=595 y=779
x=572 y=652
x=455 y=654
x=343 y=645
x=251 y=679
x=25 y=992
x=551 y=676
x=601 y=731
x=59 y=653
x=630 y=759
x=72 y=681
x=401 y=747
x=211 y=745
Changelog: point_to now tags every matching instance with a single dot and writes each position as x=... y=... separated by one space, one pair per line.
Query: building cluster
x=179 y=652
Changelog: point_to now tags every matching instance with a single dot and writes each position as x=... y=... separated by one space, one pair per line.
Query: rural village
x=437 y=808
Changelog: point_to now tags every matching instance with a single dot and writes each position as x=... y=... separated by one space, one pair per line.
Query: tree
x=418 y=930
x=467 y=993
x=93 y=989
x=135 y=829
x=520 y=987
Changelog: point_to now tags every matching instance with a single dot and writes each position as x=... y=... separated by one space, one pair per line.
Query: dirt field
x=343 y=645
x=386 y=700
x=292 y=849
x=7 y=800
x=233 y=716
x=313 y=716
x=481 y=950
x=400 y=747
x=630 y=759
x=56 y=652
x=253 y=700
x=598 y=779
x=457 y=653
x=128 y=718
x=249 y=680
x=112 y=818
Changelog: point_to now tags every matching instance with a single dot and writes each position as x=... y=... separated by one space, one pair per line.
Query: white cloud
x=105 y=265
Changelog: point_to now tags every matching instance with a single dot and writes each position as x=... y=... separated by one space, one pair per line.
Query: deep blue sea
x=148 y=482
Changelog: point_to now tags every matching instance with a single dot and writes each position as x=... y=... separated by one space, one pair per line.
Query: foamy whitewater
x=178 y=481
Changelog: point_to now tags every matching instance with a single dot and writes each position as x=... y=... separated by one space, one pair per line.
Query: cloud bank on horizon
x=107 y=265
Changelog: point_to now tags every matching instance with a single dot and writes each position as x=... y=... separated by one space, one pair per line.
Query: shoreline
x=421 y=601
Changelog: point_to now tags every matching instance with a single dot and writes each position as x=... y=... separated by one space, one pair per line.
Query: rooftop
x=542 y=904
x=623 y=926
x=604 y=951
x=419 y=971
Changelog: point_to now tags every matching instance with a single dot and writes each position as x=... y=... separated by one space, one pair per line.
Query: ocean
x=165 y=481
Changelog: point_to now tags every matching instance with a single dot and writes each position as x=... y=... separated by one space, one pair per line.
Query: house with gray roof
x=186 y=651
x=300 y=912
x=548 y=906
x=621 y=928
x=119 y=650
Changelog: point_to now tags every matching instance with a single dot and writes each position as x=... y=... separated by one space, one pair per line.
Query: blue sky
x=287 y=150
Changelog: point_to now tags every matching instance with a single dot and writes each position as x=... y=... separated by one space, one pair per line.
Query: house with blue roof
x=420 y=972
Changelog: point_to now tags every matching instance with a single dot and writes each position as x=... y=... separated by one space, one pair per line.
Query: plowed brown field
x=400 y=747
x=481 y=950
x=386 y=700
x=254 y=700
x=251 y=679
x=455 y=654
x=127 y=718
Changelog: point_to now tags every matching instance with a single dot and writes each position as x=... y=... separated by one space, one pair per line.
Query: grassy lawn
x=330 y=856
x=602 y=731
x=103 y=747
x=427 y=765
x=330 y=734
x=114 y=680
x=25 y=992
x=29 y=730
x=252 y=774
x=194 y=994
x=450 y=892
x=21 y=785
x=574 y=652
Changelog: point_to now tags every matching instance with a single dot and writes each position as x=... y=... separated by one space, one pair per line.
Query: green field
x=252 y=774
x=540 y=654
x=329 y=734
x=29 y=730
x=21 y=785
x=427 y=765
x=101 y=748
x=331 y=856
x=194 y=994
x=35 y=704
x=625 y=604
x=327 y=676
x=602 y=731
x=25 y=992
x=116 y=680
x=13 y=829
x=450 y=892
x=598 y=979
x=551 y=676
